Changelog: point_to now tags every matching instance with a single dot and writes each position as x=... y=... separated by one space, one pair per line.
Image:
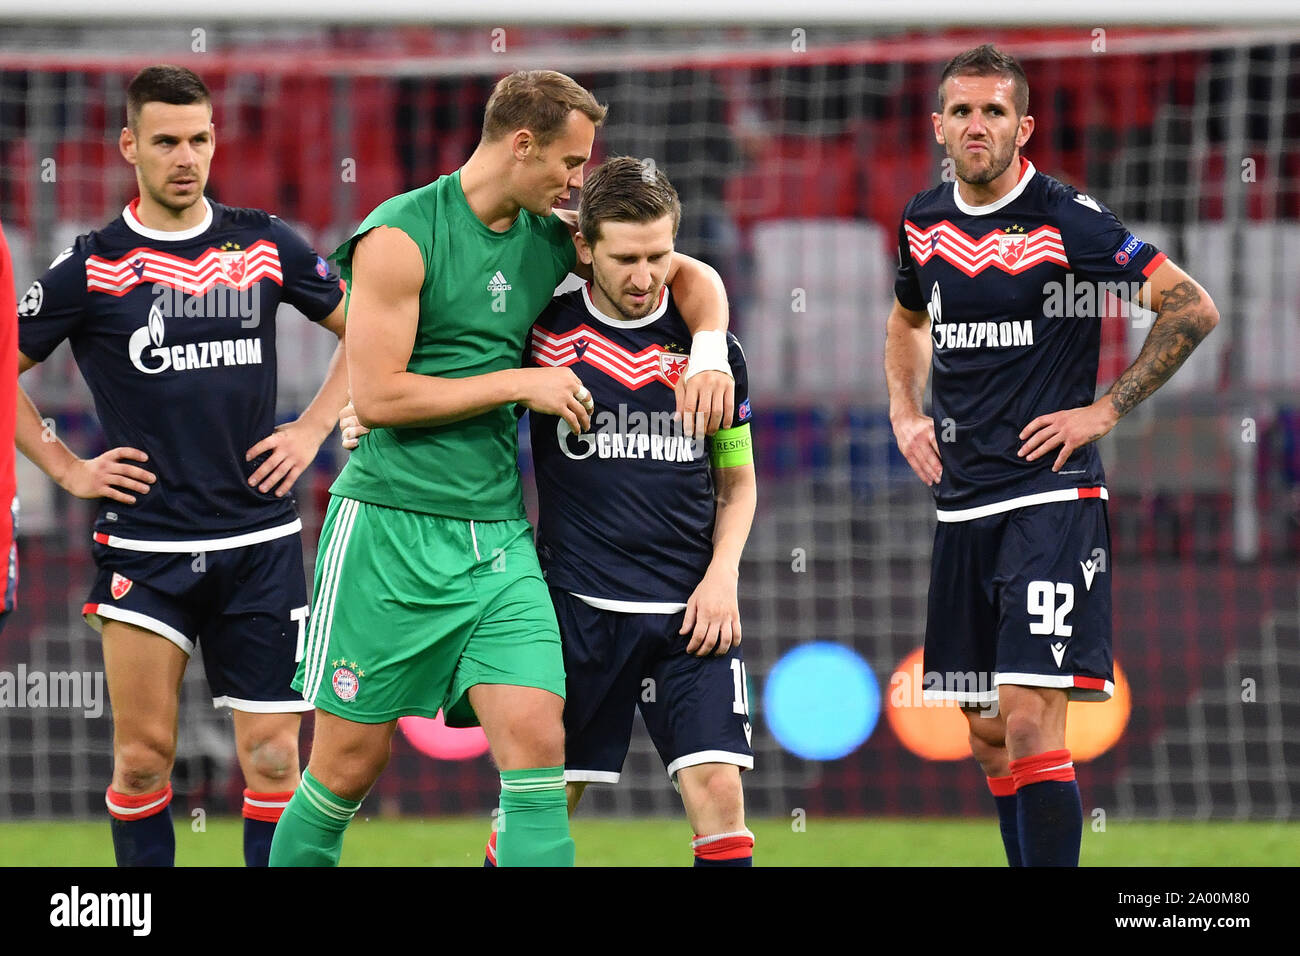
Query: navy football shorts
x=615 y=662
x=1021 y=597
x=246 y=608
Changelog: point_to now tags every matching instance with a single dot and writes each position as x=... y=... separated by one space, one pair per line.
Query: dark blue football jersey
x=626 y=509
x=174 y=333
x=1013 y=290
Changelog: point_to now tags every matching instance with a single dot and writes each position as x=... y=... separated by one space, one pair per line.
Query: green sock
x=533 y=825
x=310 y=833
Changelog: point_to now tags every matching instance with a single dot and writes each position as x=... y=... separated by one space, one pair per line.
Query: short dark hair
x=988 y=60
x=624 y=189
x=539 y=101
x=164 y=84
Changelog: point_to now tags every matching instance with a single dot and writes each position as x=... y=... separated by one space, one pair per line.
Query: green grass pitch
x=665 y=842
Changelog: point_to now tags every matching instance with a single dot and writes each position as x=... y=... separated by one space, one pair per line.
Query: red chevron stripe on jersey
x=585 y=344
x=1010 y=252
x=239 y=269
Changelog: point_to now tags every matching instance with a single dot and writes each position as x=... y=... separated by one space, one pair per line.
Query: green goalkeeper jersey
x=482 y=291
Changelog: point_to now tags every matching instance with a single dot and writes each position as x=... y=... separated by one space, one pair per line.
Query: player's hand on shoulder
x=916 y=440
x=350 y=427
x=556 y=391
x=111 y=475
x=289 y=450
x=713 y=614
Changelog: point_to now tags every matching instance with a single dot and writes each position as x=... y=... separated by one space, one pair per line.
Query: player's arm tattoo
x=1181 y=324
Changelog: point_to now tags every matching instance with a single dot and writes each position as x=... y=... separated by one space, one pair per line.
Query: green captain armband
x=730 y=447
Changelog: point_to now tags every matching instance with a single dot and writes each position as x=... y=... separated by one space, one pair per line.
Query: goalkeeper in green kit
x=428 y=593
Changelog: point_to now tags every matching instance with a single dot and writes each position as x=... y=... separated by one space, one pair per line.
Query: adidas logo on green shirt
x=498 y=283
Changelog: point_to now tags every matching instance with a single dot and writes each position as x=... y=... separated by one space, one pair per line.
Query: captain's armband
x=731 y=447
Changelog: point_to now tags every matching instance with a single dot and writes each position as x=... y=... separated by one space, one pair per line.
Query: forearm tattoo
x=1179 y=327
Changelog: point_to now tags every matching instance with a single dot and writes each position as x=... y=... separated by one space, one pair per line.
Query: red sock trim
x=125 y=806
x=267 y=807
x=1040 y=768
x=491 y=850
x=1002 y=786
x=728 y=848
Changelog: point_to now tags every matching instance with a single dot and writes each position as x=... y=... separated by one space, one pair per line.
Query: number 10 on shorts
x=1043 y=603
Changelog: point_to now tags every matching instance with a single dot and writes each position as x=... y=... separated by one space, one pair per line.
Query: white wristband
x=708 y=354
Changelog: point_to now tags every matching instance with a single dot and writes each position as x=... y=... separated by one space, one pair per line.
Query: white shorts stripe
x=1024 y=501
x=1065 y=681
x=630 y=607
x=324 y=616
x=324 y=610
x=961 y=696
x=208 y=544
x=262 y=706
x=313 y=651
x=111 y=613
x=744 y=761
x=591 y=776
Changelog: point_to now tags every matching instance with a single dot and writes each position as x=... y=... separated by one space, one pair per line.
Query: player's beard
x=174 y=203
x=997 y=165
x=638 y=312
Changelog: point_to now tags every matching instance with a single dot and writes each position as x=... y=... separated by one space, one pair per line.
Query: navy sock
x=1004 y=795
x=738 y=861
x=257 y=841
x=1049 y=809
x=262 y=811
x=143 y=834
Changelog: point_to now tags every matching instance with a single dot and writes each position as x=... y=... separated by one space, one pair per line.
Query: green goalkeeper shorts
x=411 y=610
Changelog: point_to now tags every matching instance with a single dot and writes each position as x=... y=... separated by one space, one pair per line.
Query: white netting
x=793 y=164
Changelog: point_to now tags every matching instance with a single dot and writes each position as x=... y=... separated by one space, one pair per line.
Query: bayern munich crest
x=345 y=683
x=119 y=585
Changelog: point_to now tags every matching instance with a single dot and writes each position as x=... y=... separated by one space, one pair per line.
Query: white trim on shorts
x=630 y=607
x=744 y=761
x=262 y=706
x=111 y=613
x=1024 y=501
x=1063 y=681
x=591 y=776
x=209 y=544
x=962 y=696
